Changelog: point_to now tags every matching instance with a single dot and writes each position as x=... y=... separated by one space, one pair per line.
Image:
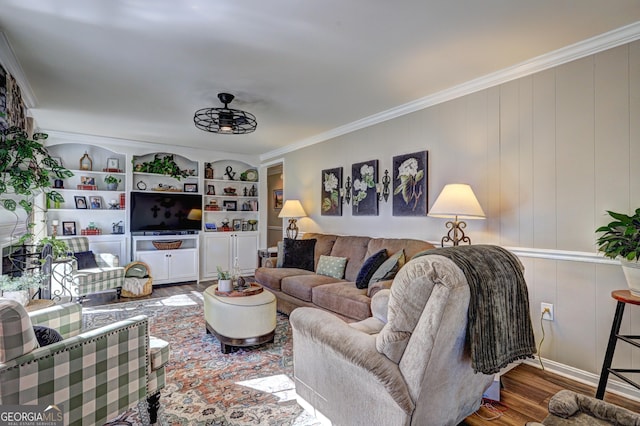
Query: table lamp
x=292 y=209
x=457 y=201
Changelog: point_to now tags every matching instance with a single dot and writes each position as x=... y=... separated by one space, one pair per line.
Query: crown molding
x=549 y=60
x=10 y=62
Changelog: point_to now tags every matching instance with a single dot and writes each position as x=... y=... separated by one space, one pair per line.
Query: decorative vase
x=225 y=285
x=20 y=296
x=112 y=186
x=632 y=274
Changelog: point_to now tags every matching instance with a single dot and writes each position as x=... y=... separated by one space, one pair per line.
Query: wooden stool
x=623 y=297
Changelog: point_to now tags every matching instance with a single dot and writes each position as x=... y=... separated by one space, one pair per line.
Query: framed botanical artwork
x=230 y=205
x=96 y=202
x=330 y=200
x=190 y=187
x=410 y=184
x=68 y=228
x=113 y=163
x=364 y=198
x=81 y=201
x=277 y=198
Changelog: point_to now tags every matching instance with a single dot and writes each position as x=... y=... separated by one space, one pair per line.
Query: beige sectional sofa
x=295 y=287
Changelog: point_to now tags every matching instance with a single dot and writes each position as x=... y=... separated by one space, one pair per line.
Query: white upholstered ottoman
x=240 y=321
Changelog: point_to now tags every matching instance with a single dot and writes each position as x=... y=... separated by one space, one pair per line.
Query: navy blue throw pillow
x=86 y=259
x=46 y=335
x=299 y=253
x=369 y=267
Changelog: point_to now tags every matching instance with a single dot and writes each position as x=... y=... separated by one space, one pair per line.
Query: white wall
x=546 y=155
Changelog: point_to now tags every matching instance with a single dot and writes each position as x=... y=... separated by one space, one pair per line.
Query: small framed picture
x=190 y=187
x=58 y=160
x=277 y=198
x=245 y=225
x=237 y=224
x=87 y=180
x=113 y=163
x=230 y=205
x=81 y=201
x=96 y=202
x=68 y=228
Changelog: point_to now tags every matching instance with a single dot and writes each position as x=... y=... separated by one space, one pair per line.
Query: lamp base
x=456 y=233
x=292 y=229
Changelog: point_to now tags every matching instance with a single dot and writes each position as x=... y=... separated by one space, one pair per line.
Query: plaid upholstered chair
x=93 y=272
x=91 y=376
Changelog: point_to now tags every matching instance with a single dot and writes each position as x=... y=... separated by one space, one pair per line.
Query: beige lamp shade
x=194 y=214
x=292 y=208
x=457 y=200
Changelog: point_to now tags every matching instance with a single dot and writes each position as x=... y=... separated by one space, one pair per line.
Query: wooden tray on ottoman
x=254 y=288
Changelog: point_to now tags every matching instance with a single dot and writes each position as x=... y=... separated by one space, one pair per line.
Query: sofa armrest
x=313 y=326
x=376 y=287
x=65 y=318
x=269 y=262
x=81 y=371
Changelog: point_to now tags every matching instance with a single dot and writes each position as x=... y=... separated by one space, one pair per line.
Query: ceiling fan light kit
x=225 y=120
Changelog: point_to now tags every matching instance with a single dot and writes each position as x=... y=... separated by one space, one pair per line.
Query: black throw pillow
x=86 y=259
x=369 y=267
x=46 y=335
x=299 y=253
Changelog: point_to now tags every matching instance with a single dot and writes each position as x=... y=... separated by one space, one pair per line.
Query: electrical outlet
x=546 y=309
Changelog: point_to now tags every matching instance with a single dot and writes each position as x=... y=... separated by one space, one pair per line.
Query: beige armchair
x=409 y=364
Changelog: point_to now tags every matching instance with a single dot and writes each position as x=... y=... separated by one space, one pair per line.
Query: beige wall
x=546 y=155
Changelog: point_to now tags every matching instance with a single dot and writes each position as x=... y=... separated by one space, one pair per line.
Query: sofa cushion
x=343 y=298
x=300 y=286
x=411 y=247
x=86 y=259
x=331 y=266
x=369 y=267
x=272 y=277
x=16 y=332
x=354 y=249
x=389 y=268
x=324 y=244
x=299 y=254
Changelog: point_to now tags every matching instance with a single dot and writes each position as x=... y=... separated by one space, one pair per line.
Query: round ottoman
x=240 y=321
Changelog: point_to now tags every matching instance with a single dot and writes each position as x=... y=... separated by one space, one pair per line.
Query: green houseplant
x=18 y=288
x=224 y=280
x=112 y=182
x=620 y=239
x=162 y=165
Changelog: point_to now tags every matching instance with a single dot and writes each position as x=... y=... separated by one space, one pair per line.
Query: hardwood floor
x=525 y=393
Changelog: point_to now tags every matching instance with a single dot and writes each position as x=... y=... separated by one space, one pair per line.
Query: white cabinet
x=168 y=266
x=222 y=249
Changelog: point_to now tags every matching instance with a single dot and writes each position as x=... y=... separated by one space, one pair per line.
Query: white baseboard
x=613 y=386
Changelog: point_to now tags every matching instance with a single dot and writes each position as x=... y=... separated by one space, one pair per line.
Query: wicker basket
x=148 y=285
x=167 y=245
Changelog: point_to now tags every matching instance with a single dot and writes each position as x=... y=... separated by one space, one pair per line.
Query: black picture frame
x=364 y=198
x=410 y=179
x=330 y=197
x=190 y=187
x=230 y=205
x=81 y=201
x=69 y=228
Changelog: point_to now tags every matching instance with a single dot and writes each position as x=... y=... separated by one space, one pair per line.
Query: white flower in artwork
x=409 y=167
x=359 y=185
x=366 y=170
x=330 y=182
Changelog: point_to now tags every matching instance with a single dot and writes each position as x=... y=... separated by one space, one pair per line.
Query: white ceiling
x=139 y=69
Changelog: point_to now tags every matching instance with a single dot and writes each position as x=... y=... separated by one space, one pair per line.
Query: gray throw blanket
x=499 y=326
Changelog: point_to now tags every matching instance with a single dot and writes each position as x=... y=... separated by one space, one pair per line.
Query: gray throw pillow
x=390 y=267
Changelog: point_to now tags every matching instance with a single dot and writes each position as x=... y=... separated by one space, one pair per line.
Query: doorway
x=274 y=191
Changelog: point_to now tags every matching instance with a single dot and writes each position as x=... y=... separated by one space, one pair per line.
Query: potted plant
x=224 y=280
x=60 y=247
x=112 y=182
x=621 y=240
x=18 y=288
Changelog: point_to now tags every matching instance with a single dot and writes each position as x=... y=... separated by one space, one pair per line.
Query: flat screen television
x=165 y=212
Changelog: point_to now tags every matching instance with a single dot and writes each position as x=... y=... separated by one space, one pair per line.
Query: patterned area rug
x=252 y=386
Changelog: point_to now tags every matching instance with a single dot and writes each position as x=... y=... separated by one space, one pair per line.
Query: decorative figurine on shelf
x=253 y=192
x=245 y=191
x=208 y=171
x=85 y=162
x=58 y=184
x=229 y=173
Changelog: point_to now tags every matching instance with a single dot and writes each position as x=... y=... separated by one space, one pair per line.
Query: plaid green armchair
x=104 y=274
x=91 y=376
